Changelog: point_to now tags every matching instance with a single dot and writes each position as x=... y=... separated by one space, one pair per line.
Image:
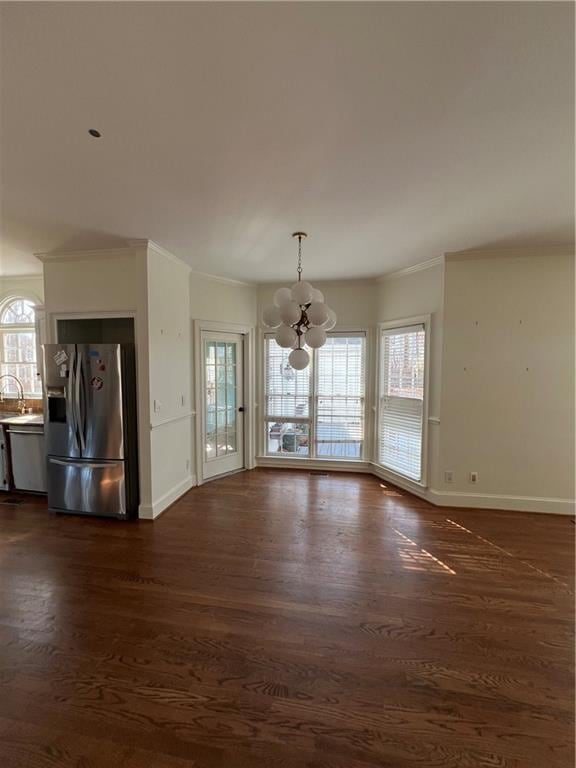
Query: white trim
x=11 y=296
x=541 y=504
x=109 y=313
x=35 y=276
x=426 y=321
x=536 y=504
x=355 y=331
x=402 y=482
x=221 y=279
x=152 y=511
x=329 y=465
x=153 y=246
x=6 y=328
x=87 y=255
x=404 y=271
x=559 y=249
x=172 y=419
x=325 y=284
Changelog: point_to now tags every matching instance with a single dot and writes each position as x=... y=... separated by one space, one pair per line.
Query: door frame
x=249 y=333
x=426 y=321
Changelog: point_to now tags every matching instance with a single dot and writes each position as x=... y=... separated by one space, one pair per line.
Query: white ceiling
x=392 y=132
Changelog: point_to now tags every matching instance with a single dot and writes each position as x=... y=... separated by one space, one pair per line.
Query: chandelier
x=299 y=316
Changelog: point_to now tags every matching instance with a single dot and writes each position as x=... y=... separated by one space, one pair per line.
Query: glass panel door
x=222 y=399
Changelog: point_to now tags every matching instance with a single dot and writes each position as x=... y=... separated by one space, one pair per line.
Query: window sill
x=304 y=462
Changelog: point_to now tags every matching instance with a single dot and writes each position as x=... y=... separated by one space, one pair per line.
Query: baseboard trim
x=308 y=464
x=550 y=506
x=542 y=505
x=152 y=511
x=407 y=485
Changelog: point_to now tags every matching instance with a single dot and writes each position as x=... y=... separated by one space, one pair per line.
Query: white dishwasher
x=28 y=457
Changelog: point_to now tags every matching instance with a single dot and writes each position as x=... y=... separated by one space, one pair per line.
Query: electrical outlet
x=448 y=476
x=157 y=406
x=473 y=477
x=182 y=400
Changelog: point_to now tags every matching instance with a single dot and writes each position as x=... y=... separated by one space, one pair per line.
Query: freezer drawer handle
x=82 y=465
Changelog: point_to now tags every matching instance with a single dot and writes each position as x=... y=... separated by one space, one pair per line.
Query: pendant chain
x=299 y=270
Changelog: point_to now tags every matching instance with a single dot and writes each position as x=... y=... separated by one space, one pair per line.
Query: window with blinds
x=287 y=403
x=339 y=398
x=401 y=400
x=317 y=412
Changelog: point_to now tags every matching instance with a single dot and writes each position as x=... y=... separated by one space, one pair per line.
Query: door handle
x=79 y=417
x=70 y=409
x=83 y=464
x=241 y=409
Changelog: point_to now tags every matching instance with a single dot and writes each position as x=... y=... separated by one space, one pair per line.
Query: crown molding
x=153 y=246
x=220 y=279
x=559 y=249
x=35 y=276
x=405 y=271
x=85 y=255
x=365 y=281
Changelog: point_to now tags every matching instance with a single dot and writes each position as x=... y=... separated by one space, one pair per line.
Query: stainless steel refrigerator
x=90 y=429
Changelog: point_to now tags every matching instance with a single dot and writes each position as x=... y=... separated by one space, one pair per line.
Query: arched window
x=18 y=347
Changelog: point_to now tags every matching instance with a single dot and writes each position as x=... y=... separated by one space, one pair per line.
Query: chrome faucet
x=21 y=401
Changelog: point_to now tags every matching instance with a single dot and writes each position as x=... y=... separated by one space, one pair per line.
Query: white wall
x=508 y=378
x=107 y=282
x=25 y=285
x=148 y=282
x=170 y=389
x=218 y=299
x=493 y=316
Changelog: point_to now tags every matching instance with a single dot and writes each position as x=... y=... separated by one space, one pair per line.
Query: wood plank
x=281 y=618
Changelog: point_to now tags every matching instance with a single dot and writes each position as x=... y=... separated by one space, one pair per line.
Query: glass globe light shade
x=331 y=322
x=285 y=336
x=315 y=337
x=317 y=295
x=282 y=296
x=317 y=313
x=299 y=359
x=302 y=292
x=271 y=316
x=290 y=312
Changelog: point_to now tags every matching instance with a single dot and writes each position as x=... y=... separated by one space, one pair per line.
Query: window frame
x=310 y=420
x=7 y=328
x=389 y=325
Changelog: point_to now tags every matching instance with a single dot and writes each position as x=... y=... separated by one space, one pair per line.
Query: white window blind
x=339 y=425
x=317 y=412
x=287 y=403
x=400 y=429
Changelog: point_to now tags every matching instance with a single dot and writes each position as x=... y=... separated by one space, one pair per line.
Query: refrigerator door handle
x=77 y=403
x=70 y=409
x=83 y=464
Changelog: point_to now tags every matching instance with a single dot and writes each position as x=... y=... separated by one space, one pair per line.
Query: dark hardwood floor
x=280 y=618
